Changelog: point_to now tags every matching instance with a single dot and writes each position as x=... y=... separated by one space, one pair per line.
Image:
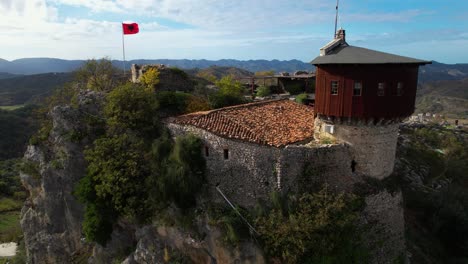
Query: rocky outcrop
x=51 y=217
x=165 y=244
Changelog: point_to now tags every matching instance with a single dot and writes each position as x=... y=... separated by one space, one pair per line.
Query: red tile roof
x=275 y=123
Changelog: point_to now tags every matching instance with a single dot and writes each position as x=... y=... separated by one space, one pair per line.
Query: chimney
x=341 y=34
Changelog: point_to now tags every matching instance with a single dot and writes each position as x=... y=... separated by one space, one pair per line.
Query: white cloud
x=30 y=10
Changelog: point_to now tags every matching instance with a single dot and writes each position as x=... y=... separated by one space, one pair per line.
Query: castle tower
x=361 y=97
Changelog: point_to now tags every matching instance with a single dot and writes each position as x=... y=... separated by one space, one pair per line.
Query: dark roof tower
x=361 y=96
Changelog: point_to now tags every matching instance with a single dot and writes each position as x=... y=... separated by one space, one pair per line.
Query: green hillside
x=444 y=97
x=24 y=89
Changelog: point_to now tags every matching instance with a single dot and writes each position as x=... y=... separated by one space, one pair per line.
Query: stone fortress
x=349 y=135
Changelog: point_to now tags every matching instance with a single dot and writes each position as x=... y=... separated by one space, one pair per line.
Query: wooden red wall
x=368 y=105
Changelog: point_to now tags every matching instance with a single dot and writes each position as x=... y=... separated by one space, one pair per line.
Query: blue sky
x=221 y=29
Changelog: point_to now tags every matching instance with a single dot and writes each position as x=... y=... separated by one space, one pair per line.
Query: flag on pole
x=130 y=28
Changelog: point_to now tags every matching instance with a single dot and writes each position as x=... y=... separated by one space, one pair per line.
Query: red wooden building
x=360 y=83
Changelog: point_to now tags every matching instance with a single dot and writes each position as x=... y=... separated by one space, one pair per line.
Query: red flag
x=130 y=28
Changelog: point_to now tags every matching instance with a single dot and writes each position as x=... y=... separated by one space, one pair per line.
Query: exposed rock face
x=51 y=217
x=160 y=245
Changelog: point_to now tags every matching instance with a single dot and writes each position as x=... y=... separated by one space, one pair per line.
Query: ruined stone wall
x=373 y=147
x=170 y=79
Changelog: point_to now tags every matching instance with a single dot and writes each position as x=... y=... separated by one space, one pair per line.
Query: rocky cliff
x=52 y=216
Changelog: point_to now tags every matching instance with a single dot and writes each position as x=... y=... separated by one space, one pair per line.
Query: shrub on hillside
x=312 y=228
x=263 y=91
x=301 y=98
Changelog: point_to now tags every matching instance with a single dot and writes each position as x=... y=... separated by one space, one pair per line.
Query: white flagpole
x=123 y=50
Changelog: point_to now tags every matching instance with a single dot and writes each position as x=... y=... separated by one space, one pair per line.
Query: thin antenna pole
x=336 y=17
x=123 y=50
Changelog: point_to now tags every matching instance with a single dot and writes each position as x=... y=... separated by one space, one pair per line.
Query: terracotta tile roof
x=275 y=123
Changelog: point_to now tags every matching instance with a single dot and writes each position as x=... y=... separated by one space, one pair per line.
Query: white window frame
x=360 y=88
x=334 y=85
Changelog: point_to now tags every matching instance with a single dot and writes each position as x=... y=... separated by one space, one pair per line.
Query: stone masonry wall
x=253 y=171
x=246 y=175
x=373 y=146
x=384 y=212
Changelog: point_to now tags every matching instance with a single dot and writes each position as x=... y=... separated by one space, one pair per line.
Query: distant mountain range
x=433 y=72
x=46 y=65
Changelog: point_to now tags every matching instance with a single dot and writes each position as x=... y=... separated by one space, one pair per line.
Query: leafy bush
x=132 y=107
x=180 y=72
x=150 y=78
x=173 y=103
x=220 y=100
x=180 y=168
x=263 y=91
x=301 y=98
x=230 y=93
x=97 y=75
x=314 y=228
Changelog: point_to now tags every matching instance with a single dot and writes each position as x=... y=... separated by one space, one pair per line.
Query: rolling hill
x=23 y=89
x=448 y=97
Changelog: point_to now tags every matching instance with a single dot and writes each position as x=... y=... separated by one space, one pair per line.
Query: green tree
x=180 y=168
x=118 y=166
x=263 y=91
x=97 y=75
x=301 y=98
x=132 y=107
x=230 y=93
x=228 y=86
x=150 y=78
x=315 y=228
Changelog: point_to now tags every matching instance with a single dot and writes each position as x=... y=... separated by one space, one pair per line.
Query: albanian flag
x=130 y=28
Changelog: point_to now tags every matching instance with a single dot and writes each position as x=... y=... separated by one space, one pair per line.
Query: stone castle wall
x=253 y=171
x=373 y=146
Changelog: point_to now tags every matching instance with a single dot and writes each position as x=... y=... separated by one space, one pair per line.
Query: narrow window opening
x=226 y=154
x=381 y=89
x=207 y=151
x=334 y=87
x=357 y=91
x=399 y=90
x=353 y=166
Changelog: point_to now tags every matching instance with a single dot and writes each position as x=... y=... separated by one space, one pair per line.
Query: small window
x=330 y=129
x=381 y=89
x=399 y=90
x=334 y=87
x=207 y=151
x=357 y=89
x=226 y=154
